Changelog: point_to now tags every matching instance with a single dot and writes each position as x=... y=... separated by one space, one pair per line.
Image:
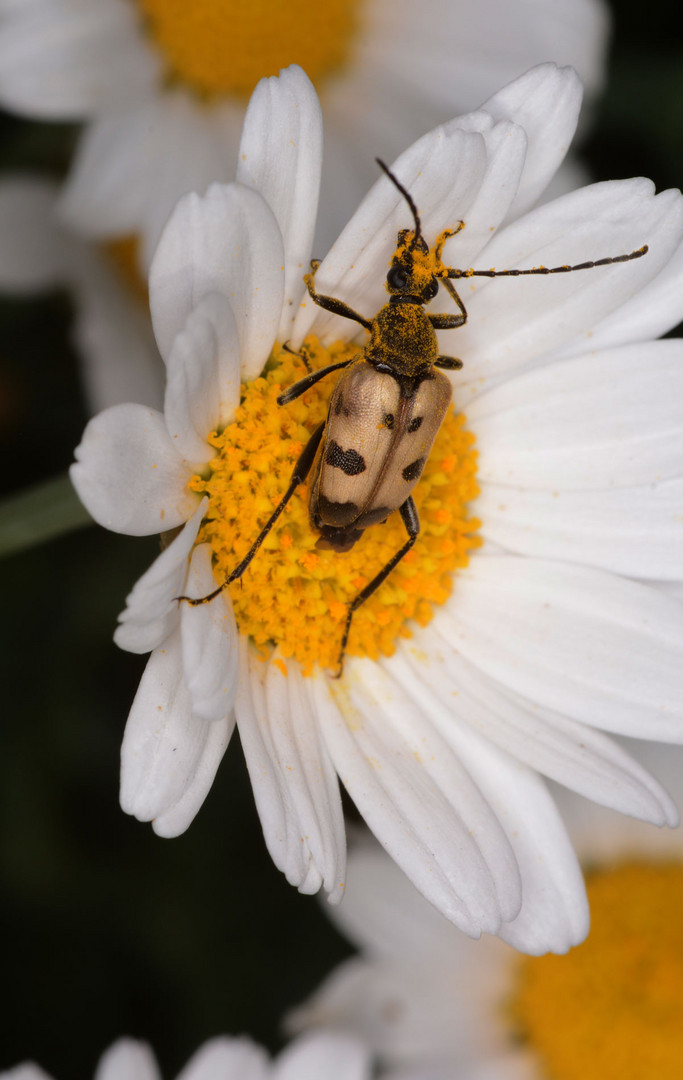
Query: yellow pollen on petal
x=612 y=1009
x=292 y=594
x=223 y=47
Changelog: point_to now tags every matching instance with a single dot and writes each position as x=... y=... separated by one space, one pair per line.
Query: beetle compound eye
x=397 y=278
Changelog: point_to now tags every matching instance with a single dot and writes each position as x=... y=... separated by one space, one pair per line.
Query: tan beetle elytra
x=386 y=408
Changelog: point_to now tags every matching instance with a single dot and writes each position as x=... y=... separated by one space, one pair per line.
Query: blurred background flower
x=106 y=927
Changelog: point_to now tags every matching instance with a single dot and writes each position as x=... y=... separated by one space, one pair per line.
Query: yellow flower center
x=292 y=594
x=222 y=47
x=613 y=1007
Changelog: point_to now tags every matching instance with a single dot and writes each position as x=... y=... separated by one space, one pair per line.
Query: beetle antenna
x=408 y=198
x=453 y=273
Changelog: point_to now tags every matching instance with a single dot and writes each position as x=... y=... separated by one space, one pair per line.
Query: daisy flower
x=113 y=337
x=433 y=1003
x=476 y=667
x=162 y=85
x=337 y=1057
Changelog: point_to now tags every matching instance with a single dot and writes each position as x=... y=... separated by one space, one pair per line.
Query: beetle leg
x=449 y=363
x=300 y=387
x=449 y=322
x=302 y=354
x=330 y=303
x=411 y=521
x=301 y=471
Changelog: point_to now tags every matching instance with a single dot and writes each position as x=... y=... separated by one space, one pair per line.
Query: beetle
x=387 y=406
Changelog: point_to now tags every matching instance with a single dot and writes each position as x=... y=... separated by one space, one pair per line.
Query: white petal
x=168 y=757
x=572 y=754
x=443 y=172
x=295 y=785
x=328 y=1055
x=417 y=799
x=611 y=419
x=114 y=333
x=603 y=650
x=28 y=1070
x=554 y=914
x=202 y=388
x=209 y=637
x=35 y=253
x=658 y=310
x=637 y=532
x=128 y=474
x=127 y=1059
x=516 y=320
x=227 y=1059
x=151 y=612
x=227 y=242
x=545 y=102
x=65 y=61
x=280 y=156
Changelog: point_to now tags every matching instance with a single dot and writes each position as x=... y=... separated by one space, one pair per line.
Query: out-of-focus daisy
x=333 y=1056
x=433 y=1003
x=120 y=361
x=545 y=635
x=162 y=84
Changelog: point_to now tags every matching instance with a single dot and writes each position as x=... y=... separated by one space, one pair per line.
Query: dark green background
x=106 y=928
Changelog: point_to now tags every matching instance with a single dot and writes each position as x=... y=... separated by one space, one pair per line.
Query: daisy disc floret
x=514 y=655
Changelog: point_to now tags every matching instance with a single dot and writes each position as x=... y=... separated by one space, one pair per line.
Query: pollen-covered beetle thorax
x=403 y=337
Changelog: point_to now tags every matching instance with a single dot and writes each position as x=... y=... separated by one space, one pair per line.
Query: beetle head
x=411 y=276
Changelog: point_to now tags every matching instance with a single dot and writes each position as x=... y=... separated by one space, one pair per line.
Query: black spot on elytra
x=412 y=471
x=389 y=420
x=333 y=515
x=349 y=461
x=338 y=405
x=414 y=424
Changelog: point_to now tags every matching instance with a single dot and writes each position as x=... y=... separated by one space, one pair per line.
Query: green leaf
x=40 y=513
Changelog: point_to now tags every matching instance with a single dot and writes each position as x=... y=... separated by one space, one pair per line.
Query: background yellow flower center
x=613 y=1007
x=294 y=595
x=225 y=46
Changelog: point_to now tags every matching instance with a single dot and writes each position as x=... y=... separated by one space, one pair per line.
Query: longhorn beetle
x=386 y=408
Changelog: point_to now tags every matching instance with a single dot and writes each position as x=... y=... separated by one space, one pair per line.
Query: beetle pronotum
x=386 y=408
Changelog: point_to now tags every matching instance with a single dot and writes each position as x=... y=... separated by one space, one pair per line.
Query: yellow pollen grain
x=612 y=1009
x=292 y=594
x=223 y=47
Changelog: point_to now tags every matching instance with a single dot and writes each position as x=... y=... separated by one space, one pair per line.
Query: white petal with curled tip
x=295 y=785
x=227 y=242
x=128 y=474
x=127 y=1059
x=329 y=1055
x=637 y=532
x=417 y=798
x=554 y=913
x=572 y=754
x=227 y=1059
x=280 y=156
x=603 y=650
x=595 y=422
x=168 y=757
x=517 y=320
x=203 y=378
x=65 y=61
x=209 y=639
x=545 y=102
x=151 y=613
x=443 y=172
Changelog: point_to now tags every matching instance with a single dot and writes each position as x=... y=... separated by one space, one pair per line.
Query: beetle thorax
x=403 y=338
